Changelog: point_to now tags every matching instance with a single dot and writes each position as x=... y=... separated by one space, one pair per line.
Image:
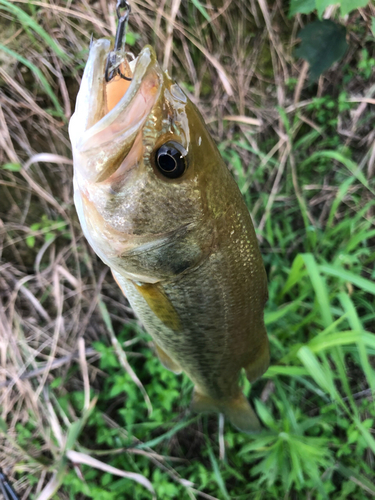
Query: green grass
x=305 y=175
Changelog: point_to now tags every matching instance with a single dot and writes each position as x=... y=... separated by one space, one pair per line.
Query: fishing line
x=6 y=489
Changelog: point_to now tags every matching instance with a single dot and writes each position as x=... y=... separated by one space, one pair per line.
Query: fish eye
x=171 y=159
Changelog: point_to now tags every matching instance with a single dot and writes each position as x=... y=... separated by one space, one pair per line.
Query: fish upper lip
x=144 y=61
x=98 y=138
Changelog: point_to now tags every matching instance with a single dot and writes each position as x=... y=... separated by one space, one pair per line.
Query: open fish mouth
x=110 y=115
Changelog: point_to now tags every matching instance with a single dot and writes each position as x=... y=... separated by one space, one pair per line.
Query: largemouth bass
x=158 y=205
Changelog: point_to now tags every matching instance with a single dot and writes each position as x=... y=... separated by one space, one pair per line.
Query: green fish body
x=160 y=208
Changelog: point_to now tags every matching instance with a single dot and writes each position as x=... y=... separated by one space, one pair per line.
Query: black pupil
x=171 y=159
x=167 y=161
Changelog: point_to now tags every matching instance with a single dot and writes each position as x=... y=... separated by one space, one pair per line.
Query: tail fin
x=238 y=410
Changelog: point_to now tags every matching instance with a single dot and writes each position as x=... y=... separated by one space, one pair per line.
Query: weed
x=78 y=375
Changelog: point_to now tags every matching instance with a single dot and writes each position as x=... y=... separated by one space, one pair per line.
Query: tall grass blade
x=355 y=323
x=358 y=478
x=26 y=20
x=122 y=355
x=201 y=9
x=296 y=273
x=322 y=377
x=40 y=76
x=274 y=316
x=349 y=164
x=167 y=435
x=341 y=193
x=216 y=469
x=320 y=288
x=290 y=371
x=338 y=272
x=366 y=434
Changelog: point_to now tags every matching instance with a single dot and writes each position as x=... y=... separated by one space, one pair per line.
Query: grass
x=78 y=379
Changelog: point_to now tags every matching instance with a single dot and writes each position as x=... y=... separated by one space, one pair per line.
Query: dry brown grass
x=49 y=292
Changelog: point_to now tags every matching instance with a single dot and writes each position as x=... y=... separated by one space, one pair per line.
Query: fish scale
x=170 y=222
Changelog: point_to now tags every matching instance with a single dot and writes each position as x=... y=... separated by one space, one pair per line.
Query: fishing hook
x=113 y=60
x=6 y=489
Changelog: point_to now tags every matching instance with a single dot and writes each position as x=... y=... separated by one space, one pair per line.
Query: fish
x=159 y=206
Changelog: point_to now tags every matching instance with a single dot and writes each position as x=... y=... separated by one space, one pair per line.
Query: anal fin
x=238 y=410
x=259 y=362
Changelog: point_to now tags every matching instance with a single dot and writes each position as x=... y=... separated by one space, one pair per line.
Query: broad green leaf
x=346 y=6
x=321 y=5
x=349 y=5
x=323 y=43
x=301 y=7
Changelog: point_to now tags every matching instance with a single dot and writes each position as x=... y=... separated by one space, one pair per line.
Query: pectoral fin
x=159 y=304
x=238 y=410
x=167 y=361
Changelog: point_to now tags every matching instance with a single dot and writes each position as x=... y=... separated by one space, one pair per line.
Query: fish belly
x=208 y=323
